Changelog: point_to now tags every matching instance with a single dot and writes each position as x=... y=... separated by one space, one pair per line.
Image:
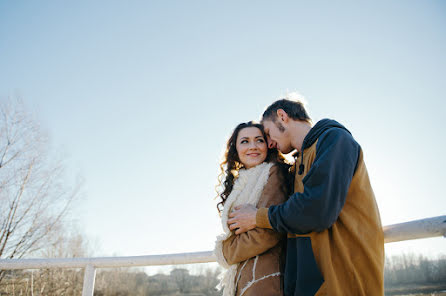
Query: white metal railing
x=430 y=227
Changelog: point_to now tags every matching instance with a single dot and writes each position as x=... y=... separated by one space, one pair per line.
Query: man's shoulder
x=335 y=134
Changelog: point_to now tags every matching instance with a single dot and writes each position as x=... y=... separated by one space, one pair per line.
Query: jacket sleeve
x=238 y=248
x=325 y=187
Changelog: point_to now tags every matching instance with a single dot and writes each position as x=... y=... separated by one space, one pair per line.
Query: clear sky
x=141 y=96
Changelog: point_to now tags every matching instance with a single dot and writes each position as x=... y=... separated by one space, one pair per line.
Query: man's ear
x=282 y=115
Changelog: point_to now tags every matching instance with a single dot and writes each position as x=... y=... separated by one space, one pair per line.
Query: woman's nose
x=252 y=145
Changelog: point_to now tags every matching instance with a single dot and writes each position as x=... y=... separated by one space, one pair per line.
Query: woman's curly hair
x=231 y=163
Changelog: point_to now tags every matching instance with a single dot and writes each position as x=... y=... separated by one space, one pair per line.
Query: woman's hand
x=243 y=218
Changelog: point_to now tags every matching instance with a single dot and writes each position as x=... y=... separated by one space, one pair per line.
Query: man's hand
x=243 y=218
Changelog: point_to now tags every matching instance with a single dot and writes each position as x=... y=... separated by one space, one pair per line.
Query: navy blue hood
x=315 y=132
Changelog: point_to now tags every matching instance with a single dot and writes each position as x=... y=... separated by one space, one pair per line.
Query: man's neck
x=298 y=131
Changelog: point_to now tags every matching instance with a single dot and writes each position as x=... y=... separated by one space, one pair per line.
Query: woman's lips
x=253 y=154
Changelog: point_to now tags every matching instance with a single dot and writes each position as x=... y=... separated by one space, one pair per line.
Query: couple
x=324 y=206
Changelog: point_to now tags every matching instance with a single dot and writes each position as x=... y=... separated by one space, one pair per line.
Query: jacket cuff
x=262 y=219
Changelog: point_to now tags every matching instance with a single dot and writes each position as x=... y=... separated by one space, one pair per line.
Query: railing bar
x=424 y=228
x=430 y=227
x=106 y=262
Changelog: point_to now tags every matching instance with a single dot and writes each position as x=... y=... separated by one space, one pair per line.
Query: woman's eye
x=243 y=142
x=261 y=141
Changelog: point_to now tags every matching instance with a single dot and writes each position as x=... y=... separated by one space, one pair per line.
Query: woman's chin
x=252 y=164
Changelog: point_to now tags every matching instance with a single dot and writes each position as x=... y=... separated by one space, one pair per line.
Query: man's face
x=277 y=136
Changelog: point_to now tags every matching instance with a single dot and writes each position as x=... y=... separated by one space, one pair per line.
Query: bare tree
x=59 y=281
x=34 y=197
x=181 y=277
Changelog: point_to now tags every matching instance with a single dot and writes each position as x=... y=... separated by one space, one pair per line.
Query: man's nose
x=271 y=144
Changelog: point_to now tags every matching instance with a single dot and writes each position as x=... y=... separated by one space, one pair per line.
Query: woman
x=256 y=175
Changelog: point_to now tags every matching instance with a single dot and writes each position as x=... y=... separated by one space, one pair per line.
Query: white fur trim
x=240 y=273
x=258 y=280
x=218 y=251
x=254 y=267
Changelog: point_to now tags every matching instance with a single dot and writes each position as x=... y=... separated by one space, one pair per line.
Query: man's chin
x=286 y=151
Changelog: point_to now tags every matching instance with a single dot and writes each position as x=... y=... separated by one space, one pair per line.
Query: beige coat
x=260 y=252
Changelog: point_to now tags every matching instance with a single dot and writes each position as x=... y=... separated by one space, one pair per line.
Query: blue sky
x=141 y=96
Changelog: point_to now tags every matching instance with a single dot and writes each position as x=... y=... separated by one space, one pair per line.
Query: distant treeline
x=111 y=282
x=410 y=273
x=404 y=274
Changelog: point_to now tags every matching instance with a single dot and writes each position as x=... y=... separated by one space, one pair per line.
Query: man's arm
x=325 y=188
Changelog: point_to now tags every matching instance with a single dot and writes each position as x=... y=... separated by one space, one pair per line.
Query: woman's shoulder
x=280 y=177
x=279 y=170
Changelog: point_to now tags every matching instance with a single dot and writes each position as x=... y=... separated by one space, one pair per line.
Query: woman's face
x=251 y=147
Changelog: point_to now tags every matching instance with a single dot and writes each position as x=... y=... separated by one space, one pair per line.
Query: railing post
x=32 y=282
x=89 y=277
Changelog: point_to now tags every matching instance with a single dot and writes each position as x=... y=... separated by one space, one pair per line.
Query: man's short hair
x=294 y=109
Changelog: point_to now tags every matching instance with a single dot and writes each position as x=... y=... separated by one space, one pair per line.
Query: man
x=335 y=240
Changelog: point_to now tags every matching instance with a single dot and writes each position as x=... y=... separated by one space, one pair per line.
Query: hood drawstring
x=301 y=166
